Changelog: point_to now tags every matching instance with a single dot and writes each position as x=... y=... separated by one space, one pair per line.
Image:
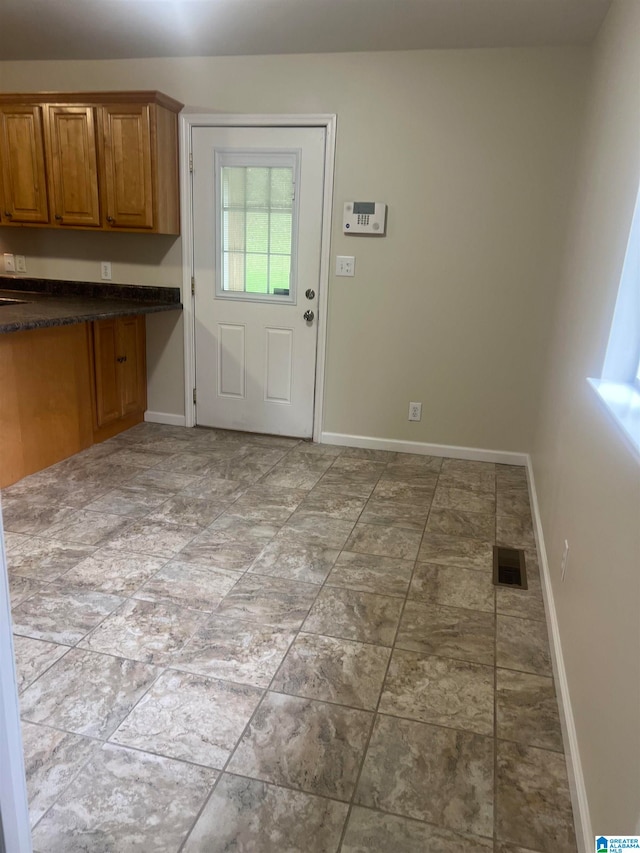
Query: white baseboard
x=582 y=818
x=165 y=418
x=477 y=454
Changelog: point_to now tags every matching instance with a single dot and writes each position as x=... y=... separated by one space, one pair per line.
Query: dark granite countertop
x=47 y=302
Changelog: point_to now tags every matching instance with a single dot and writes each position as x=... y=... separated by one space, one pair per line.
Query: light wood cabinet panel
x=105 y=354
x=23 y=177
x=127 y=159
x=73 y=166
x=45 y=384
x=120 y=369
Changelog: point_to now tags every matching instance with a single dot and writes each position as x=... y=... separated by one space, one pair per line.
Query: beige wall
x=473 y=153
x=588 y=481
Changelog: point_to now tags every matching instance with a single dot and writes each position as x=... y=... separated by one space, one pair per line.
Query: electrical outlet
x=105 y=270
x=415 y=411
x=21 y=263
x=565 y=559
x=9 y=262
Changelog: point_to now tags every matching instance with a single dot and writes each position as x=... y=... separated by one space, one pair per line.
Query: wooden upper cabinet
x=128 y=190
x=111 y=160
x=73 y=166
x=23 y=172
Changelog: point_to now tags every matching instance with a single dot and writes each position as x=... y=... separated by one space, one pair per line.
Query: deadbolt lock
x=310 y=293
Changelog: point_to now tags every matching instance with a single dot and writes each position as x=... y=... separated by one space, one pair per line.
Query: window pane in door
x=257 y=229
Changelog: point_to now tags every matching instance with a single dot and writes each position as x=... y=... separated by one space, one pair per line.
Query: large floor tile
x=453 y=587
x=133 y=501
x=448 y=632
x=384 y=541
x=527 y=709
x=21 y=588
x=267 y=504
x=33 y=657
x=229 y=543
x=457 y=522
x=369 y=831
x=235 y=650
x=332 y=670
x=145 y=631
x=52 y=760
x=189 y=511
x=189 y=717
x=522 y=644
x=22 y=515
x=515 y=531
x=112 y=571
x=533 y=805
x=87 y=693
x=61 y=615
x=88 y=527
x=395 y=514
x=302 y=744
x=45 y=559
x=269 y=601
x=125 y=800
x=187 y=585
x=464 y=499
x=371 y=573
x=292 y=558
x=418 y=492
x=437 y=690
x=318 y=529
x=354 y=615
x=247 y=816
x=447 y=550
x=323 y=500
x=158 y=538
x=453 y=788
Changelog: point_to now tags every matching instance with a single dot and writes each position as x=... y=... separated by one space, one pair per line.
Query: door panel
x=105 y=341
x=278 y=365
x=128 y=351
x=231 y=361
x=255 y=352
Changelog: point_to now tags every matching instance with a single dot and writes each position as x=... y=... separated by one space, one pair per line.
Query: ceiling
x=118 y=29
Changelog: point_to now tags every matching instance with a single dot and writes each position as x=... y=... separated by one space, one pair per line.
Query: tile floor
x=229 y=642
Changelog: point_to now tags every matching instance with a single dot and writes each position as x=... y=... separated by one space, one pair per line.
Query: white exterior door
x=257 y=228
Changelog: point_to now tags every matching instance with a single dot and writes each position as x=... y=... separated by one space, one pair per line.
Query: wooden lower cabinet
x=120 y=390
x=66 y=387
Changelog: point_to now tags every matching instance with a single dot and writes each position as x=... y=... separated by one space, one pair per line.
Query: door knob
x=308 y=316
x=310 y=293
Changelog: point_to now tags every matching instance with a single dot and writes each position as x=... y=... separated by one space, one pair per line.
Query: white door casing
x=256 y=354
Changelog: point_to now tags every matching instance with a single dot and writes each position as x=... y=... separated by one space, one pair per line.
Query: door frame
x=189 y=121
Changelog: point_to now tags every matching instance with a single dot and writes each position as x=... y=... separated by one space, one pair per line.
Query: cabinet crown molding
x=93 y=98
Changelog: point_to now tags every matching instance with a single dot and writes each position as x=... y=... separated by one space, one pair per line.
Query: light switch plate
x=21 y=263
x=9 y=262
x=345 y=265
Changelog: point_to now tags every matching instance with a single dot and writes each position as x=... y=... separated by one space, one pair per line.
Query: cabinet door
x=73 y=166
x=22 y=160
x=128 y=169
x=105 y=358
x=131 y=364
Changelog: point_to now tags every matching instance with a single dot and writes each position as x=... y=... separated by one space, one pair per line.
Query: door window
x=256 y=225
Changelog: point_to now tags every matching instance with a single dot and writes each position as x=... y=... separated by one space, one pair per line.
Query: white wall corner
x=165 y=418
x=580 y=803
x=503 y=457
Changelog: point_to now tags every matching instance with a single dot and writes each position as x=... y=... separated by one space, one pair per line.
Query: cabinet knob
x=110 y=220
x=8 y=214
x=58 y=217
x=121 y=359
